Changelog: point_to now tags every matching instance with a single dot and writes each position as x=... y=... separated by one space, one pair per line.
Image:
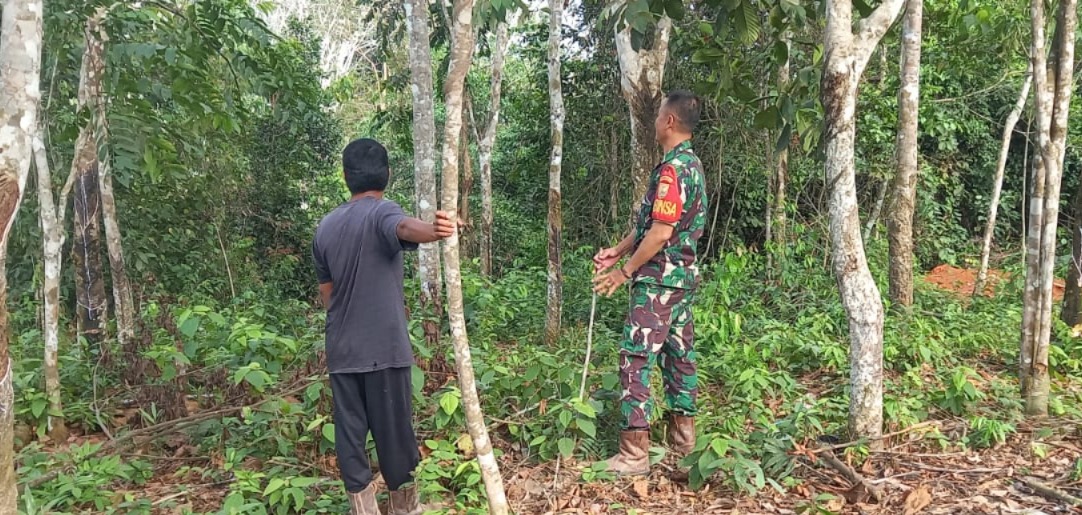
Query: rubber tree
x=454 y=86
x=20 y=94
x=555 y=214
x=1053 y=84
x=846 y=54
x=906 y=153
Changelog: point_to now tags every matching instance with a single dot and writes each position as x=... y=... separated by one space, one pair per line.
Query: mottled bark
x=554 y=308
x=467 y=187
x=1072 y=295
x=904 y=197
x=779 y=221
x=997 y=188
x=20 y=92
x=91 y=302
x=487 y=143
x=461 y=56
x=52 y=239
x=846 y=56
x=424 y=162
x=1053 y=86
x=641 y=76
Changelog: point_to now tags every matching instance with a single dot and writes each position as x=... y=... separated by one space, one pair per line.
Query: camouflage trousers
x=659 y=331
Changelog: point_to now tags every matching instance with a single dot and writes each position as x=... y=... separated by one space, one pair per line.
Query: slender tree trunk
x=1072 y=295
x=1053 y=85
x=20 y=93
x=467 y=187
x=52 y=237
x=904 y=198
x=997 y=188
x=846 y=57
x=424 y=162
x=487 y=143
x=781 y=170
x=641 y=76
x=877 y=209
x=555 y=215
x=461 y=55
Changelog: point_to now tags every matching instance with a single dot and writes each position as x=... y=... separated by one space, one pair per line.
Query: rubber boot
x=681 y=434
x=364 y=502
x=404 y=501
x=634 y=456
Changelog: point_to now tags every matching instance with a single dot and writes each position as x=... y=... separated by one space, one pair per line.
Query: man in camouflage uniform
x=663 y=275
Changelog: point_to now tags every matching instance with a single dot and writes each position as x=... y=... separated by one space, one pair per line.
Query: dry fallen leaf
x=642 y=488
x=917 y=500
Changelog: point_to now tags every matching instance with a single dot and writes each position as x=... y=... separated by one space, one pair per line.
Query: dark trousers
x=381 y=402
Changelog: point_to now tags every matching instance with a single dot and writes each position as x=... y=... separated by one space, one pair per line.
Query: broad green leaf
x=588 y=427
x=767 y=118
x=449 y=403
x=566 y=446
x=189 y=327
x=328 y=432
x=274 y=485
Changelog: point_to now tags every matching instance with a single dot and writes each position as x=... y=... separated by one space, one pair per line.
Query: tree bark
x=1053 y=85
x=424 y=162
x=91 y=302
x=641 y=76
x=20 y=93
x=781 y=172
x=467 y=185
x=461 y=56
x=1072 y=295
x=997 y=188
x=904 y=197
x=555 y=215
x=52 y=237
x=487 y=143
x=847 y=56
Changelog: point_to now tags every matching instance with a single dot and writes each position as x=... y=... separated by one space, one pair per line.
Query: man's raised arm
x=419 y=231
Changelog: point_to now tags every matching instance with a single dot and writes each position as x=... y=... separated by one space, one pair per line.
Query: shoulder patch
x=668 y=205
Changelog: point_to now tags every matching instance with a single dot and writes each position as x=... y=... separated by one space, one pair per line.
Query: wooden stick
x=852 y=475
x=956 y=470
x=1052 y=493
x=881 y=437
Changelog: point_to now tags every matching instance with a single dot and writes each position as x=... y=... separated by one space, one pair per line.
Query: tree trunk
x=86 y=262
x=52 y=237
x=488 y=141
x=1053 y=85
x=904 y=197
x=20 y=70
x=467 y=187
x=641 y=76
x=555 y=215
x=461 y=55
x=846 y=57
x=1072 y=295
x=997 y=188
x=781 y=171
x=424 y=162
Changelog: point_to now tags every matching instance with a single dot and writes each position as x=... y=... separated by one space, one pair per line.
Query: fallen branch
x=881 y=437
x=955 y=470
x=169 y=427
x=852 y=475
x=1052 y=493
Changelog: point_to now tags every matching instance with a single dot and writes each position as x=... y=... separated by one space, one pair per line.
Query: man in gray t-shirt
x=358 y=257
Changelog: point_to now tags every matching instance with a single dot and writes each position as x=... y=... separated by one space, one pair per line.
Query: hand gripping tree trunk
x=846 y=56
x=1053 y=86
x=555 y=215
x=20 y=69
x=461 y=55
x=997 y=188
x=52 y=236
x=485 y=146
x=641 y=76
x=904 y=197
x=424 y=161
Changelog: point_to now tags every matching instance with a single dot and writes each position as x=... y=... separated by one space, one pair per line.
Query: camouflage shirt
x=676 y=195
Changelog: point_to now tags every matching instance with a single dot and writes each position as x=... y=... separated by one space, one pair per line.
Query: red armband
x=668 y=204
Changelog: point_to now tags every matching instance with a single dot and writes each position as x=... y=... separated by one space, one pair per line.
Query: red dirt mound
x=961 y=281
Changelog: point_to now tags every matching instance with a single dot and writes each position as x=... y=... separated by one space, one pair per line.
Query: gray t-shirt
x=357 y=248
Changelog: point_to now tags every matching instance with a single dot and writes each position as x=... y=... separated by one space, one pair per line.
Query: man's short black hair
x=686 y=106
x=365 y=164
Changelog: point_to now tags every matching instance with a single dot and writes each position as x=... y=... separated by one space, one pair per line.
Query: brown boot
x=634 y=456
x=364 y=502
x=681 y=434
x=404 y=502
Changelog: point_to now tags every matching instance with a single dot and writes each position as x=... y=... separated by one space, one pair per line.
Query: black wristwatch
x=626 y=275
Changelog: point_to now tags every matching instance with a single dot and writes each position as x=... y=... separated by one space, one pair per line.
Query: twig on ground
x=892 y=478
x=168 y=498
x=1065 y=446
x=1052 y=493
x=930 y=468
x=852 y=475
x=882 y=437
